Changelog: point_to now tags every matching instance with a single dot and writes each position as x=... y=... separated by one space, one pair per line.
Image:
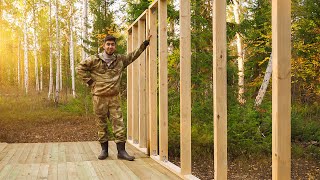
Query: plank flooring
x=75 y=160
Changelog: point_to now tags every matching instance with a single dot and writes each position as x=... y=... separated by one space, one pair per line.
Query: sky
x=119 y=15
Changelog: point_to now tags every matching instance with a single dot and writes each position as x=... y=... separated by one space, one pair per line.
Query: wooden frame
x=281 y=127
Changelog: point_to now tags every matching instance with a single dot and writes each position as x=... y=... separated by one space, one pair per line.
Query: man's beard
x=110 y=54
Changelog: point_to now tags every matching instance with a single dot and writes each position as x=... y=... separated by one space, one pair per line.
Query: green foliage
x=134 y=10
x=78 y=105
x=306 y=50
x=256 y=29
x=103 y=25
x=249 y=128
x=305 y=123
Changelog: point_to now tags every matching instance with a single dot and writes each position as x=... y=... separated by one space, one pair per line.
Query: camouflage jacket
x=105 y=79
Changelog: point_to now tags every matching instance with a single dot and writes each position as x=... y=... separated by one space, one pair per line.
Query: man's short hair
x=110 y=38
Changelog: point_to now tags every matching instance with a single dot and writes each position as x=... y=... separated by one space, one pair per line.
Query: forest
x=42 y=41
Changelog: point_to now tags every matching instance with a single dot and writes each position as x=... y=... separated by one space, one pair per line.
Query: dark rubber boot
x=122 y=153
x=104 y=152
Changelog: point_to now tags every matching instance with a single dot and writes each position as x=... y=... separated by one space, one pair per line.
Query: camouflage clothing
x=109 y=107
x=103 y=74
x=106 y=76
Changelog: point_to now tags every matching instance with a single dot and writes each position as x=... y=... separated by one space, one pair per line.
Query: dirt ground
x=83 y=129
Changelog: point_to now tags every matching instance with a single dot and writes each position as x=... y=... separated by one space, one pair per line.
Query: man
x=103 y=73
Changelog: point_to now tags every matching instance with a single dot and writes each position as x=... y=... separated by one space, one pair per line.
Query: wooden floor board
x=7 y=154
x=90 y=154
x=54 y=153
x=2 y=146
x=53 y=171
x=62 y=171
x=39 y=154
x=46 y=153
x=33 y=152
x=15 y=171
x=43 y=171
x=15 y=158
x=61 y=153
x=82 y=152
x=5 y=171
x=72 y=172
x=75 y=160
x=69 y=152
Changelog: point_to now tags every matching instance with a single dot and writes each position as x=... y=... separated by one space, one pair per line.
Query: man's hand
x=147 y=41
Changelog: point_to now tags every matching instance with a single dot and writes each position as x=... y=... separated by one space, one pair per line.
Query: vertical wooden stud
x=153 y=121
x=185 y=87
x=142 y=87
x=129 y=89
x=281 y=89
x=220 y=89
x=163 y=80
x=135 y=89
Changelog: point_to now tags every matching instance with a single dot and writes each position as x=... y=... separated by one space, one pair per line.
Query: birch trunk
x=25 y=43
x=85 y=29
x=18 y=68
x=36 y=71
x=60 y=65
x=72 y=55
x=57 y=55
x=50 y=55
x=41 y=75
x=236 y=11
x=265 y=83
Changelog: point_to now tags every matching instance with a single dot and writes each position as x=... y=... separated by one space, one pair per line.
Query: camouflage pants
x=109 y=108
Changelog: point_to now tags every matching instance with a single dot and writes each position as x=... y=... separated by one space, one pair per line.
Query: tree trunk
x=56 y=99
x=36 y=71
x=41 y=75
x=265 y=83
x=236 y=11
x=85 y=29
x=72 y=55
x=60 y=65
x=25 y=43
x=50 y=56
x=18 y=68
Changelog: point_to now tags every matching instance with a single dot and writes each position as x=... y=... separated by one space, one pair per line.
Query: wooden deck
x=75 y=160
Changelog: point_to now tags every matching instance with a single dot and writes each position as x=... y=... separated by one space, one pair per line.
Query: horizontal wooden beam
x=174 y=168
x=142 y=16
x=154 y=4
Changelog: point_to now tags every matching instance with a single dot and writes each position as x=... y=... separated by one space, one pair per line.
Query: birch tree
x=265 y=83
x=85 y=29
x=236 y=11
x=57 y=54
x=25 y=44
x=41 y=74
x=18 y=68
x=50 y=55
x=60 y=64
x=72 y=52
x=35 y=48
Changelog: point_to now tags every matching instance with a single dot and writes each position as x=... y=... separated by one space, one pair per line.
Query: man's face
x=109 y=47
